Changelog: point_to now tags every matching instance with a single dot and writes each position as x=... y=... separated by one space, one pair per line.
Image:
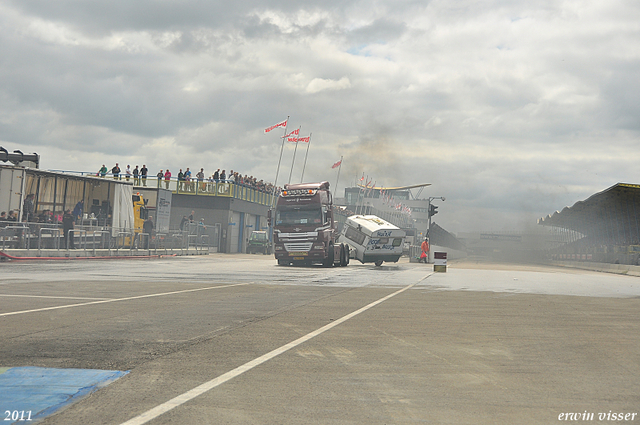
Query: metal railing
x=90 y=239
x=55 y=234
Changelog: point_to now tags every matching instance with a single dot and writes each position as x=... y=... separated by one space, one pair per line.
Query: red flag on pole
x=295 y=132
x=337 y=164
x=304 y=139
x=281 y=124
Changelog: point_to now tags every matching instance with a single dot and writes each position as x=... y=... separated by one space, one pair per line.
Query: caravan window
x=355 y=235
x=397 y=242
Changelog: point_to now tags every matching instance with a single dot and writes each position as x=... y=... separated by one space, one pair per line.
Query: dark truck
x=258 y=242
x=304 y=230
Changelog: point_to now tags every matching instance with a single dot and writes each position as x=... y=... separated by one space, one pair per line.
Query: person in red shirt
x=167 y=178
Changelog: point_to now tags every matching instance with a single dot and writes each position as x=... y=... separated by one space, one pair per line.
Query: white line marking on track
x=201 y=389
x=52 y=297
x=120 y=299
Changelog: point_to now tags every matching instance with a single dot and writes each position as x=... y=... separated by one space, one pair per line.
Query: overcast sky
x=510 y=109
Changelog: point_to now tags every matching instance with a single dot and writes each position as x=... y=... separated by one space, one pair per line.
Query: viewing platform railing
x=220 y=188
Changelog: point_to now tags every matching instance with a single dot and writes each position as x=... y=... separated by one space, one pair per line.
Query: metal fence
x=97 y=241
x=222 y=188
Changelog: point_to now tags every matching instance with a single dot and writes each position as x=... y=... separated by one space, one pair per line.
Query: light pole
x=431 y=211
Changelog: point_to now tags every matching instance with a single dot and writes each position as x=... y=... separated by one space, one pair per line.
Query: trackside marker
x=201 y=389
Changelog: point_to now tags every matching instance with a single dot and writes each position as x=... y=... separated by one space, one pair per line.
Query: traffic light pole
x=432 y=211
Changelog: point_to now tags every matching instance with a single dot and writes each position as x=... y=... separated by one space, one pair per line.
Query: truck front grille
x=298 y=246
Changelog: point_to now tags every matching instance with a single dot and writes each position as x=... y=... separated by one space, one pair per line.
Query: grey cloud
x=408 y=92
x=380 y=31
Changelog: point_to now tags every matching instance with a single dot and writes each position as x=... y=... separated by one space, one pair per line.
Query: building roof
x=395 y=188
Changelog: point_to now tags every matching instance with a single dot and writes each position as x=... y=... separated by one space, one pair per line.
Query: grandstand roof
x=395 y=188
x=439 y=236
x=612 y=215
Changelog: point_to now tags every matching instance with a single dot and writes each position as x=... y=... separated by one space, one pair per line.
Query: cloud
x=510 y=109
x=319 y=84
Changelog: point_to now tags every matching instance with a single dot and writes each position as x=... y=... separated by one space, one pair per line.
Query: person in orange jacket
x=424 y=256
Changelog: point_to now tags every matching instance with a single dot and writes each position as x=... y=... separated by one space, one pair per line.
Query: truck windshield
x=299 y=215
x=258 y=236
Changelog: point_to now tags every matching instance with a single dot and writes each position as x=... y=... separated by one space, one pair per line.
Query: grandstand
x=603 y=228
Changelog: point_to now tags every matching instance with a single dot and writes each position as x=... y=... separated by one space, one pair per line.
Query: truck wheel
x=343 y=255
x=328 y=262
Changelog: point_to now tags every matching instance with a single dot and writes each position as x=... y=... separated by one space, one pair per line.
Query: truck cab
x=258 y=242
x=304 y=230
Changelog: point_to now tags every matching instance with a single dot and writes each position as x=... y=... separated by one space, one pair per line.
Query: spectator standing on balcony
x=116 y=172
x=103 y=171
x=143 y=172
x=187 y=178
x=127 y=173
x=160 y=176
x=216 y=175
x=136 y=176
x=200 y=177
x=223 y=176
x=167 y=178
x=180 y=180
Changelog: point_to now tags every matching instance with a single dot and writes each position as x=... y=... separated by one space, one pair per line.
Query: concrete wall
x=600 y=267
x=237 y=218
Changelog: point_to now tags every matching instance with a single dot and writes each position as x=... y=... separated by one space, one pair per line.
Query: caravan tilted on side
x=372 y=239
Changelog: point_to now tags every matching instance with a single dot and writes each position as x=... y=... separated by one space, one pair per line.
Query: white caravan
x=372 y=239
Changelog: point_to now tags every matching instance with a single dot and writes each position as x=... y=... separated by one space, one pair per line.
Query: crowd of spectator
x=186 y=180
x=11 y=216
x=30 y=215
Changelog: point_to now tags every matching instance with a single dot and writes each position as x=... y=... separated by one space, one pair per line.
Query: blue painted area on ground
x=36 y=392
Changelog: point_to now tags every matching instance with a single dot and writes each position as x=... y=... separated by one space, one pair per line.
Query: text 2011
x=17 y=415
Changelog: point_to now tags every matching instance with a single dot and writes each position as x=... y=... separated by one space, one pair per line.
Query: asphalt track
x=239 y=340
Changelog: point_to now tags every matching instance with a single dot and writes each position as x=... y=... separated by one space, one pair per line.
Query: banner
x=282 y=124
x=293 y=133
x=337 y=164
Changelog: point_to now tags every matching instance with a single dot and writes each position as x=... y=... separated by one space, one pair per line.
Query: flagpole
x=362 y=192
x=359 y=191
x=275 y=182
x=338 y=178
x=294 y=154
x=305 y=159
